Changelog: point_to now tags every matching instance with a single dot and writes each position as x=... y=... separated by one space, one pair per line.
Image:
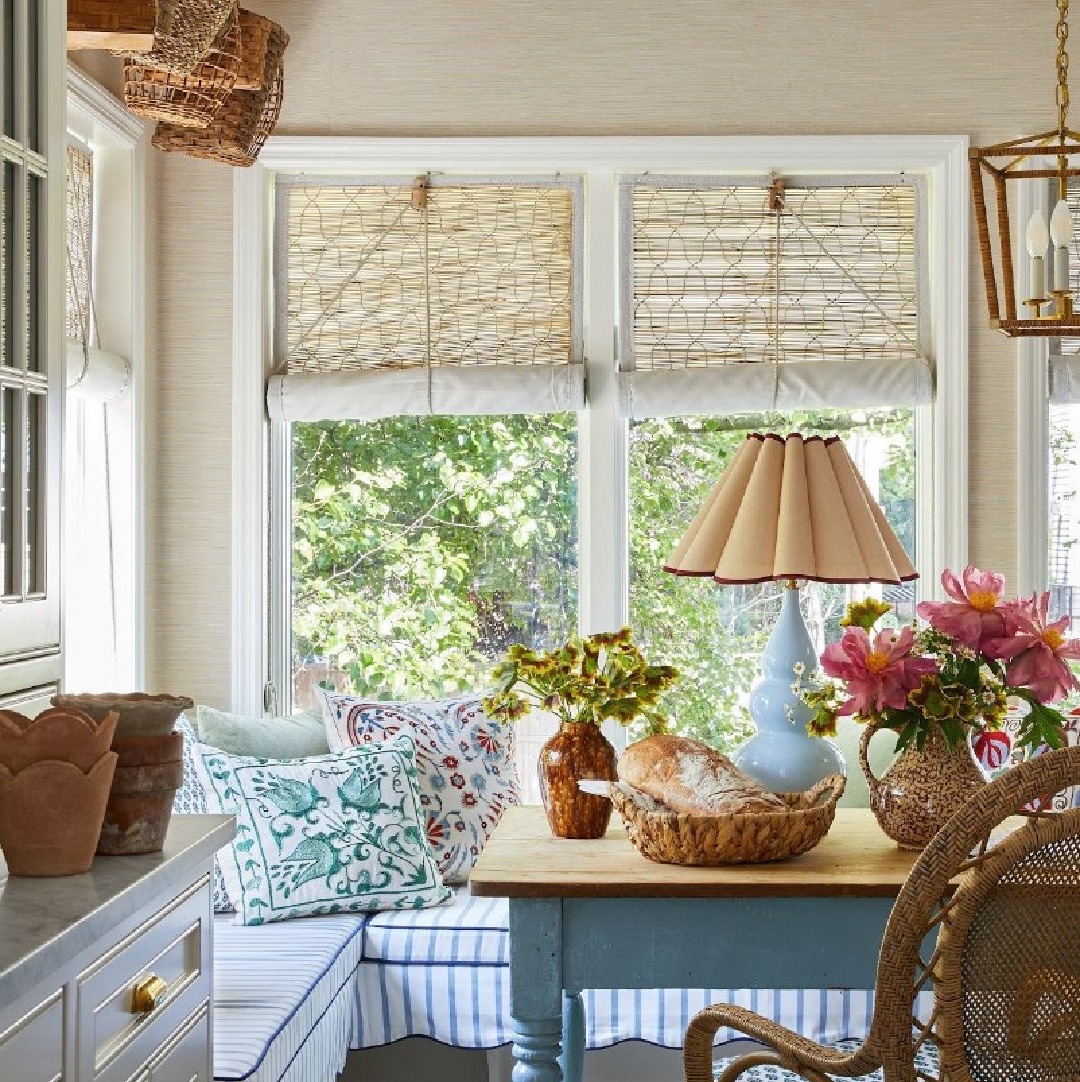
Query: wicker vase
x=922 y=788
x=578 y=750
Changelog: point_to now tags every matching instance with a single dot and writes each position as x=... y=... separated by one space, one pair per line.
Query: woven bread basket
x=262 y=46
x=677 y=838
x=241 y=127
x=188 y=100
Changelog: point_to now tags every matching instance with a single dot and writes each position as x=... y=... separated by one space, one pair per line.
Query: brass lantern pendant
x=1046 y=304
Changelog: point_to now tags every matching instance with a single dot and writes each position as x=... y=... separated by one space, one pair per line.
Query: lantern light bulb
x=1038 y=236
x=1061 y=226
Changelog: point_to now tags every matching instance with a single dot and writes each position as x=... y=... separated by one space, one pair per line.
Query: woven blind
x=78 y=218
x=468 y=305
x=728 y=305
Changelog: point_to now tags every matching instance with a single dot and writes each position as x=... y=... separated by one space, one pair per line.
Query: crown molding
x=112 y=122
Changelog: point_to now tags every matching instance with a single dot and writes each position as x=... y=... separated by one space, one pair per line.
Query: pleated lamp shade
x=791 y=508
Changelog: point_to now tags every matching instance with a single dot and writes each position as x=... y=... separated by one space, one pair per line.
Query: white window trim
x=120 y=143
x=603 y=544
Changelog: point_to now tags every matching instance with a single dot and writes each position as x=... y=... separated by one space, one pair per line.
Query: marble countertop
x=45 y=922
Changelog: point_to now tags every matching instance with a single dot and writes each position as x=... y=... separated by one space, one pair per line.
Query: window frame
x=260 y=449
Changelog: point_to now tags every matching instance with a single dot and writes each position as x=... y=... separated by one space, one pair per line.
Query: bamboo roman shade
x=79 y=228
x=423 y=297
x=745 y=294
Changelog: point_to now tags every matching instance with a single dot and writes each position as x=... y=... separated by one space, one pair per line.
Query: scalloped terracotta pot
x=51 y=814
x=578 y=750
x=148 y=773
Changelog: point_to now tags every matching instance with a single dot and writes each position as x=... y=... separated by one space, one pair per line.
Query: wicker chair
x=1004 y=919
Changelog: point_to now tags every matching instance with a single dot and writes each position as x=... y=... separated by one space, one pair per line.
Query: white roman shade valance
x=433 y=297
x=744 y=294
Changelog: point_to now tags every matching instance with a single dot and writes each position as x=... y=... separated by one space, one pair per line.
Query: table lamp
x=789 y=508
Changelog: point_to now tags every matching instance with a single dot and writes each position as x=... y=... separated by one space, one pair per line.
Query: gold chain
x=1063 y=66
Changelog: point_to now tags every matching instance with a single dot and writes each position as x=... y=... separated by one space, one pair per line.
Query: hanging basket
x=262 y=46
x=245 y=120
x=237 y=133
x=191 y=101
x=185 y=31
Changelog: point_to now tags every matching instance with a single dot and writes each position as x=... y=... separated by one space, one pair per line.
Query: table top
x=523 y=859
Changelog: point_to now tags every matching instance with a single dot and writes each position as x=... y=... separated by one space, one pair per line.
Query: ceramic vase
x=922 y=788
x=55 y=774
x=149 y=770
x=578 y=750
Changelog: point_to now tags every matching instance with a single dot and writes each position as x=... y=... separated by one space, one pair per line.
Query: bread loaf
x=691 y=777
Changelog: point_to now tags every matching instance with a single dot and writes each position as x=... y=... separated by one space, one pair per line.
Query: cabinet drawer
x=32 y=1050
x=186 y=1058
x=140 y=992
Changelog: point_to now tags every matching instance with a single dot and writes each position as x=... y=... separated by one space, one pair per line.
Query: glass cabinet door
x=32 y=88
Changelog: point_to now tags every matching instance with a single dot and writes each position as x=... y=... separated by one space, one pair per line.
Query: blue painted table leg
x=573 y=1037
x=536 y=988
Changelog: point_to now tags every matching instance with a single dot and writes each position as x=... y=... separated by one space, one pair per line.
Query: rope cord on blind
x=468 y=304
x=728 y=306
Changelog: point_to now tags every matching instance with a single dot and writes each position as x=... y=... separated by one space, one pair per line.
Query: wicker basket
x=185 y=31
x=676 y=838
x=189 y=100
x=237 y=133
x=262 y=46
x=242 y=125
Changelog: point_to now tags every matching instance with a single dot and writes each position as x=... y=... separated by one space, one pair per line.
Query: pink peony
x=975 y=615
x=1037 y=651
x=876 y=674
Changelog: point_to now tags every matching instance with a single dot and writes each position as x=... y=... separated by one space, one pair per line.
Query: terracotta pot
x=921 y=790
x=578 y=750
x=60 y=734
x=148 y=773
x=140 y=714
x=50 y=816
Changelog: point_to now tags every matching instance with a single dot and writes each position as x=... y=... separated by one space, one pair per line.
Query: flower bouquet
x=940 y=684
x=584 y=682
x=955 y=675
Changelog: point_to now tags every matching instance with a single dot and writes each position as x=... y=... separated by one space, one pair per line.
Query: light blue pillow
x=293 y=736
x=327 y=834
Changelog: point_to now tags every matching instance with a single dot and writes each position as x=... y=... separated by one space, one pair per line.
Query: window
x=31 y=180
x=392 y=511
x=104 y=286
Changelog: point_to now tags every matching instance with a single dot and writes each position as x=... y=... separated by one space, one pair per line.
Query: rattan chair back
x=982 y=920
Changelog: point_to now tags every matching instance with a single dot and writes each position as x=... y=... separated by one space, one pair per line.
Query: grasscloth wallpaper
x=545 y=67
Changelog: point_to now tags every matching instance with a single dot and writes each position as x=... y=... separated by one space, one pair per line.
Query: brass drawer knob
x=149 y=993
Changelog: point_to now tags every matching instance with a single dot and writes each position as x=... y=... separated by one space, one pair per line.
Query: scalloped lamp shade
x=791 y=508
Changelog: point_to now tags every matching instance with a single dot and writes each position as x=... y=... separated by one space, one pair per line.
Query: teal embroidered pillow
x=329 y=834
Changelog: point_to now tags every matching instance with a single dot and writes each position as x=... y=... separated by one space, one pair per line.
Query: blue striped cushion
x=469 y=931
x=926 y=1061
x=284 y=998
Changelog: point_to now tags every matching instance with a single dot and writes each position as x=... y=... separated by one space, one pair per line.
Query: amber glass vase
x=578 y=750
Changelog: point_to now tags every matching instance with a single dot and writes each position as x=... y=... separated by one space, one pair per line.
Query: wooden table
x=596 y=914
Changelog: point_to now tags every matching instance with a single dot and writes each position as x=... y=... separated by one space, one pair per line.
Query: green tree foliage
x=423 y=548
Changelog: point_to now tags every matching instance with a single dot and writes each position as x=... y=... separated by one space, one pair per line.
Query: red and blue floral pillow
x=998 y=751
x=466 y=776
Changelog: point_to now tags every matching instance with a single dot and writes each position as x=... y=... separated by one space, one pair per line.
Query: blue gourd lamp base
x=782 y=755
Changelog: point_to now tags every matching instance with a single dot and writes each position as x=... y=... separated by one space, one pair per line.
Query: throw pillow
x=294 y=736
x=464 y=762
x=328 y=834
x=190 y=799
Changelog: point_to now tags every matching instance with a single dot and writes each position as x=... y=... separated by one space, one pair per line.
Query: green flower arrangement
x=584 y=681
